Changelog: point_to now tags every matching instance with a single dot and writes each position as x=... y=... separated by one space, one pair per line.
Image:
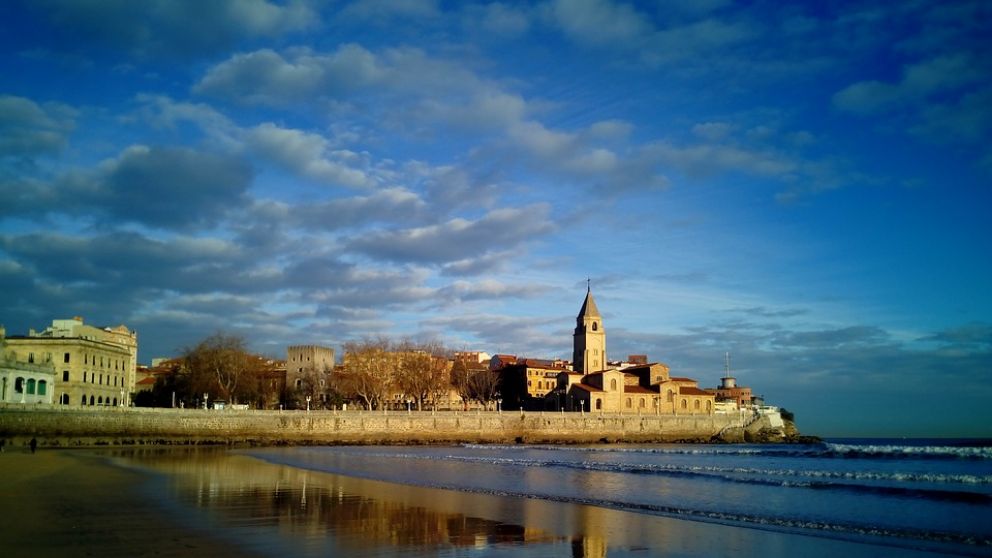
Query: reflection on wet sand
x=319 y=510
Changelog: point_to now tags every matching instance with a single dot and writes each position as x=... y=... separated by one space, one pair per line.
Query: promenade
x=57 y=426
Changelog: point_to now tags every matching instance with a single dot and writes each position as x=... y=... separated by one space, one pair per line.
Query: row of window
x=94 y=378
x=66 y=357
x=30 y=386
x=99 y=400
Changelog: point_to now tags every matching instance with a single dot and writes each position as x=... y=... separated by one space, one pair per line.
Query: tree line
x=376 y=373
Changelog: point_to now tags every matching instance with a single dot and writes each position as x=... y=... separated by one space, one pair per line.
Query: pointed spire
x=589 y=306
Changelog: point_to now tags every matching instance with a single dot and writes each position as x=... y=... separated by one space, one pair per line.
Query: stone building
x=729 y=391
x=93 y=366
x=638 y=388
x=589 y=338
x=308 y=372
x=24 y=382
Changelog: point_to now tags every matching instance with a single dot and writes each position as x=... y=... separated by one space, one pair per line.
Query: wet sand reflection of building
x=245 y=492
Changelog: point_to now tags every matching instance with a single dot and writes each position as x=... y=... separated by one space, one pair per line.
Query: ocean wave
x=786 y=478
x=847 y=530
x=824 y=450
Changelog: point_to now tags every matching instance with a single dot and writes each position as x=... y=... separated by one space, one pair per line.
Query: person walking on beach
x=34 y=444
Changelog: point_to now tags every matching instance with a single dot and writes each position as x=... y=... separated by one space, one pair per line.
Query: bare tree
x=475 y=383
x=368 y=371
x=423 y=372
x=221 y=365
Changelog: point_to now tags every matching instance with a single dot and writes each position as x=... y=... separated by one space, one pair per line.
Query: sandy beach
x=211 y=501
x=73 y=503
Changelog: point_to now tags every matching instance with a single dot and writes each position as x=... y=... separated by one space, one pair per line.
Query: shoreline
x=180 y=502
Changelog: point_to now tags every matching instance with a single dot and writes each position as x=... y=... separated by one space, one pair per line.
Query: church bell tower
x=589 y=339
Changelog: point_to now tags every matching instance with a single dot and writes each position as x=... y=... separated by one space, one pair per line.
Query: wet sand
x=156 y=502
x=68 y=503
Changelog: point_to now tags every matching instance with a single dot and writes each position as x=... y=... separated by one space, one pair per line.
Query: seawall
x=80 y=427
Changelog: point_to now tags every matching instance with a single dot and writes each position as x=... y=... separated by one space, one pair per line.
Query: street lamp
x=308 y=403
x=205 y=395
x=408 y=405
x=582 y=406
x=499 y=402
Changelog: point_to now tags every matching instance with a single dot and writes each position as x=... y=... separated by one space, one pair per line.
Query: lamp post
x=408 y=405
x=205 y=395
x=499 y=403
x=308 y=403
x=582 y=406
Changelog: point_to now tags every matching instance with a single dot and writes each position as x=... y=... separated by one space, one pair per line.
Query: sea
x=847 y=497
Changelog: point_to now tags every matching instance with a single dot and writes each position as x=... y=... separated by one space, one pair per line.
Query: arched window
x=31 y=386
x=641 y=405
x=19 y=385
x=599 y=404
x=709 y=406
x=42 y=385
x=299 y=383
x=64 y=399
x=92 y=400
x=83 y=402
x=115 y=402
x=695 y=405
x=685 y=404
x=613 y=384
x=595 y=326
x=101 y=379
x=99 y=400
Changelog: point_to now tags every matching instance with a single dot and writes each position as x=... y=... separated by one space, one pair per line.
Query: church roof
x=589 y=307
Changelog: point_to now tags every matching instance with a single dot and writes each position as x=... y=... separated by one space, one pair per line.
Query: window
x=685 y=404
x=42 y=387
x=31 y=386
x=599 y=404
x=65 y=375
x=101 y=379
x=92 y=400
x=83 y=402
x=84 y=376
x=641 y=404
x=595 y=326
x=64 y=400
x=31 y=357
x=65 y=357
x=19 y=385
x=696 y=405
x=99 y=400
x=629 y=403
x=613 y=384
x=115 y=402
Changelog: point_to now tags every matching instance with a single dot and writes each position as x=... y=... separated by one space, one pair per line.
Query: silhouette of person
x=34 y=444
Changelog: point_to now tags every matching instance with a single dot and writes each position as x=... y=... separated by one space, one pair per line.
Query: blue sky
x=804 y=186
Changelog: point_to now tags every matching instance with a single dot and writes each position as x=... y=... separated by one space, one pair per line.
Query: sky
x=805 y=186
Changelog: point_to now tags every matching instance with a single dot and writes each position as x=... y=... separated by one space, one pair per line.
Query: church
x=593 y=385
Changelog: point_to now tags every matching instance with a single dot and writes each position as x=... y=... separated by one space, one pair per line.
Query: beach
x=164 y=502
x=75 y=503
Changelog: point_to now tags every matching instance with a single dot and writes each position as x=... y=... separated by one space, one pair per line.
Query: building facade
x=308 y=372
x=24 y=382
x=589 y=338
x=93 y=366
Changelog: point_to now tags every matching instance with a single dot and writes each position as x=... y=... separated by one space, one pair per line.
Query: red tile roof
x=639 y=389
x=587 y=388
x=680 y=379
x=685 y=390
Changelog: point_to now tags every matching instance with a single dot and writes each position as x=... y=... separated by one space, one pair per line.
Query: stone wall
x=63 y=426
